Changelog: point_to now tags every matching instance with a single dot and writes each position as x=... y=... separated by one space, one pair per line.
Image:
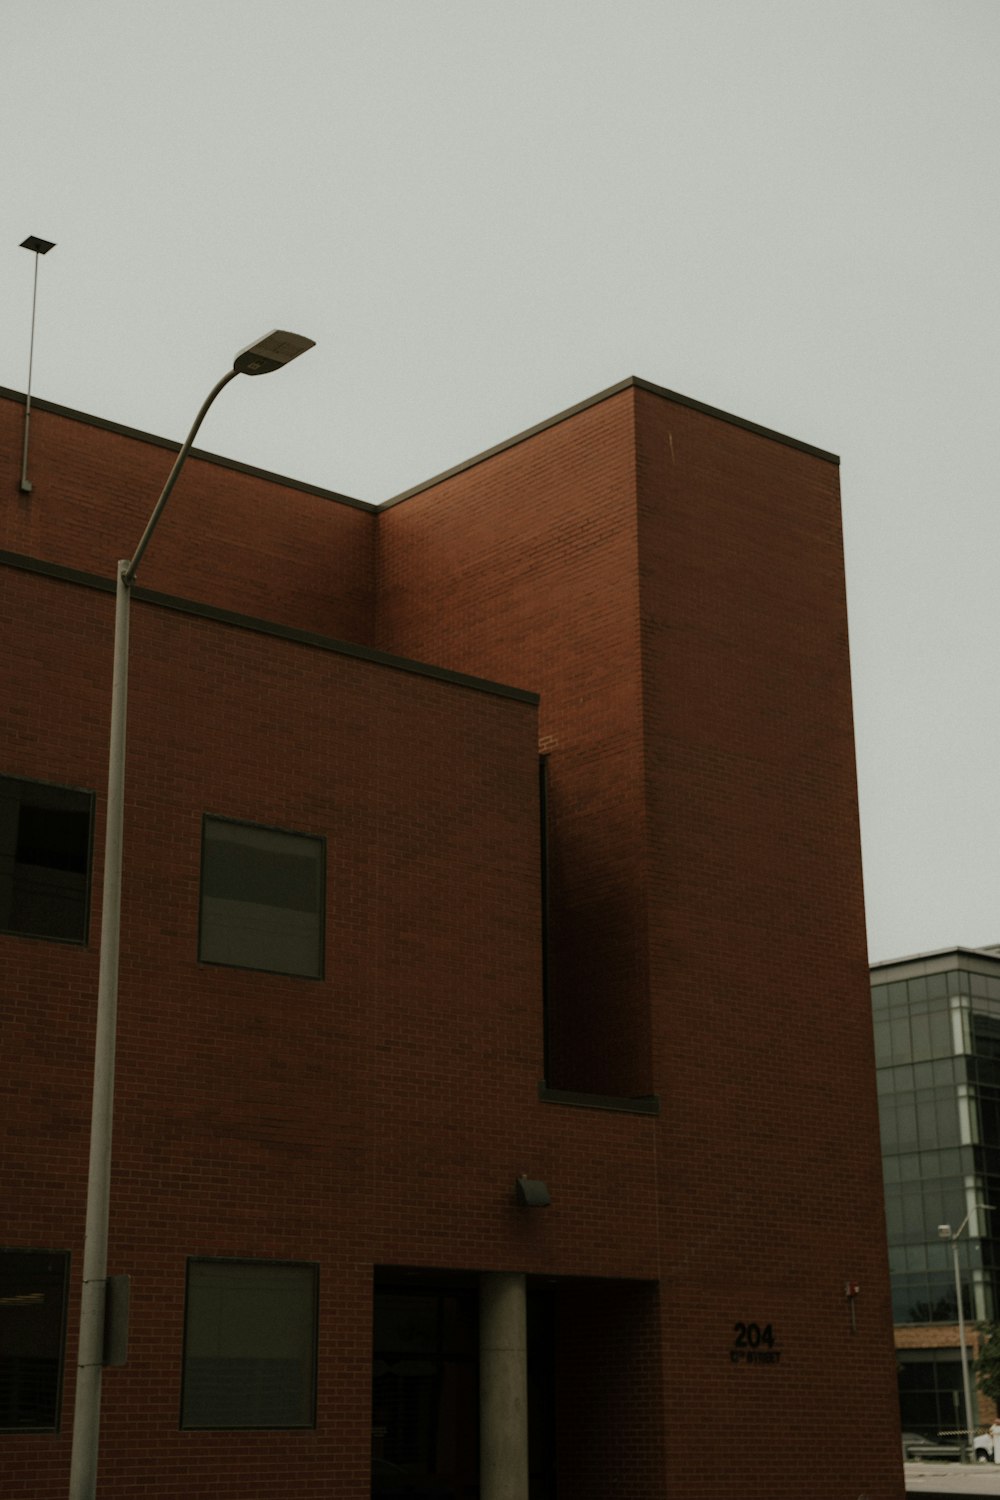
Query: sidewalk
x=952 y=1479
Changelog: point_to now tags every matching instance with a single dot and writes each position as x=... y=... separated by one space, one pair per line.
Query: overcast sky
x=485 y=212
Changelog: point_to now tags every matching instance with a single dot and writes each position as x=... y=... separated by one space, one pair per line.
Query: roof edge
x=20 y=562
x=630 y=382
x=139 y=436
x=989 y=954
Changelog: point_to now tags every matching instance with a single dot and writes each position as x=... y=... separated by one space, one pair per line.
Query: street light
x=39 y=247
x=945 y=1233
x=267 y=354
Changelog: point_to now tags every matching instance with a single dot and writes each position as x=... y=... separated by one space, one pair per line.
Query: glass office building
x=937 y=1039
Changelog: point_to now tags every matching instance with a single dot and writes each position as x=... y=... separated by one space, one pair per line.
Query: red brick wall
x=673 y=585
x=757 y=954
x=379 y=1116
x=523 y=568
x=226 y=538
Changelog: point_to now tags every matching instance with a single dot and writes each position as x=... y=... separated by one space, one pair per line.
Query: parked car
x=947 y=1446
x=985 y=1449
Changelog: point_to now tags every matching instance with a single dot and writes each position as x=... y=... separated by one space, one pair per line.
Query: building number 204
x=751 y=1336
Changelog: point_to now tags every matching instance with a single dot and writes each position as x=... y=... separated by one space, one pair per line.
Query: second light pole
x=945 y=1233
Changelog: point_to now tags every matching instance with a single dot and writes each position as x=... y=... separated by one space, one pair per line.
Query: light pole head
x=40 y=247
x=271 y=352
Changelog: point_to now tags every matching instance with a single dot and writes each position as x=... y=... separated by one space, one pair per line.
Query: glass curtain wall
x=937 y=1044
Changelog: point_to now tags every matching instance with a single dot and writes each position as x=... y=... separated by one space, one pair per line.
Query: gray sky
x=485 y=212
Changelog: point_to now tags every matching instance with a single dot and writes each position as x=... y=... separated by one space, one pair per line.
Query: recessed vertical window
x=32 y=1330
x=249 y=1345
x=261 y=899
x=44 y=860
x=544 y=882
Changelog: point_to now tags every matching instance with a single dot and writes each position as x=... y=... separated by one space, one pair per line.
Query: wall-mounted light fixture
x=532 y=1192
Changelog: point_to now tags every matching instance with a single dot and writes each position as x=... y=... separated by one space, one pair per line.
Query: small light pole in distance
x=945 y=1233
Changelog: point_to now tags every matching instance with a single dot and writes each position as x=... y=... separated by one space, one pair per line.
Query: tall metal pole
x=966 y=1383
x=945 y=1233
x=269 y=353
x=87 y=1409
x=40 y=247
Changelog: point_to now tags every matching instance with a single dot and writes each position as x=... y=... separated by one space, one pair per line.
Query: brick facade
x=662 y=590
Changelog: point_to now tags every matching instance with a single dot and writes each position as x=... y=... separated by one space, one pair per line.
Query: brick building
x=507 y=831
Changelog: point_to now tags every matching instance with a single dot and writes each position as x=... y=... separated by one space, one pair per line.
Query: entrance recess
x=462 y=1387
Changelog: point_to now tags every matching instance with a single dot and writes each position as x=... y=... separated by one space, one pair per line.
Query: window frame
x=255 y=1263
x=66 y=1257
x=294 y=833
x=90 y=798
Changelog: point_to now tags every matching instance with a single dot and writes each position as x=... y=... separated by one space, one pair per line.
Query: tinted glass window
x=32 y=1323
x=249 y=1345
x=44 y=860
x=930 y=1391
x=262 y=899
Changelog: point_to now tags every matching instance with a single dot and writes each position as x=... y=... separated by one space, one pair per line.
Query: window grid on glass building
x=937 y=1039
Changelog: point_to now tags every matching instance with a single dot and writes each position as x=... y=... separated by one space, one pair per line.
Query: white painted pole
x=87 y=1410
x=945 y=1233
x=966 y=1383
x=87 y=1407
x=270 y=353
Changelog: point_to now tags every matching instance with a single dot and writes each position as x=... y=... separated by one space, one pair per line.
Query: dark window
x=32 y=1328
x=261 y=899
x=249 y=1344
x=930 y=1391
x=985 y=1035
x=44 y=860
x=545 y=875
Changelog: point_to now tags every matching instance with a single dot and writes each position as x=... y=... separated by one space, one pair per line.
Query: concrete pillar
x=503 y=1387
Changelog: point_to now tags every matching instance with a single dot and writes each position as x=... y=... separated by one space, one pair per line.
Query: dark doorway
x=425 y=1391
x=425 y=1388
x=541 y=1391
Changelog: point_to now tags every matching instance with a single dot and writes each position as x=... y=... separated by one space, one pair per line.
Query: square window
x=44 y=860
x=32 y=1330
x=261 y=899
x=249 y=1345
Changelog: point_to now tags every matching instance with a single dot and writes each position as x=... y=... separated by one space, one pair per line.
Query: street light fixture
x=269 y=353
x=39 y=247
x=945 y=1233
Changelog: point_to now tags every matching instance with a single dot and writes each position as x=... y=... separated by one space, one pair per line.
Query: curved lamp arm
x=129 y=573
